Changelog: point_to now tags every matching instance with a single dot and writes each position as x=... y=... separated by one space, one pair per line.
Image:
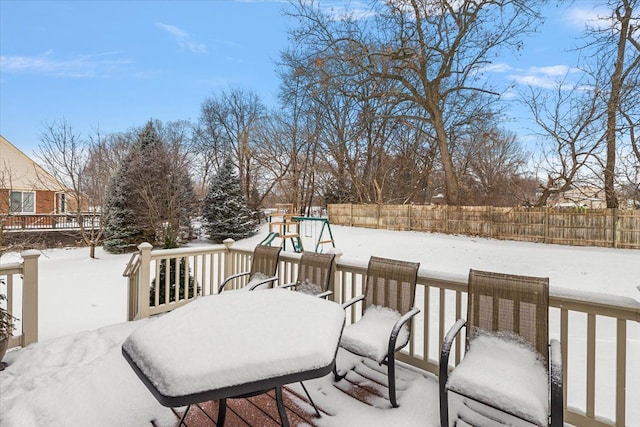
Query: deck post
x=228 y=258
x=145 y=279
x=30 y=297
x=336 y=296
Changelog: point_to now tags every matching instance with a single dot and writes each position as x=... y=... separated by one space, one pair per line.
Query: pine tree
x=182 y=278
x=150 y=197
x=225 y=210
x=121 y=227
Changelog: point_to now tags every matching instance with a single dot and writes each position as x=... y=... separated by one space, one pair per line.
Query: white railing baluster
x=621 y=371
x=591 y=365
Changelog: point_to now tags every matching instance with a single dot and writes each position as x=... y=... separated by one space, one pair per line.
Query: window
x=23 y=202
x=63 y=203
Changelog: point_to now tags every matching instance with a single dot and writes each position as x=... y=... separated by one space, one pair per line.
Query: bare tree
x=229 y=124
x=432 y=51
x=612 y=57
x=65 y=156
x=568 y=121
x=493 y=166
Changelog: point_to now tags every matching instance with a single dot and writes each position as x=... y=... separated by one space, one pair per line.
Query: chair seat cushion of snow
x=258 y=278
x=505 y=373
x=309 y=288
x=369 y=336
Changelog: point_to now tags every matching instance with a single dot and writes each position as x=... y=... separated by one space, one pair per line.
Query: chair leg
x=310 y=399
x=391 y=374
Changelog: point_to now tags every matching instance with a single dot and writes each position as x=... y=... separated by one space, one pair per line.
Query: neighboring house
x=585 y=196
x=25 y=187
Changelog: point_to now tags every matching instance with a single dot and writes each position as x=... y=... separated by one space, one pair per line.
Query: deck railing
x=599 y=334
x=19 y=282
x=49 y=221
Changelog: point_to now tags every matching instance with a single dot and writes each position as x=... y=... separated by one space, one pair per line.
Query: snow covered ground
x=76 y=374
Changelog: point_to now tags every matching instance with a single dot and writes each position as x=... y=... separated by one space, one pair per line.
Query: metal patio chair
x=314 y=278
x=387 y=307
x=510 y=374
x=264 y=264
x=314 y=274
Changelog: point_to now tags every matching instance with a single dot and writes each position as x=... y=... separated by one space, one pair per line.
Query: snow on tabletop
x=236 y=337
x=369 y=336
x=505 y=372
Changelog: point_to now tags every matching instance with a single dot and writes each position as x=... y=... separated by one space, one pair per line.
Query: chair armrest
x=352 y=301
x=288 y=285
x=557 y=404
x=443 y=375
x=262 y=282
x=398 y=325
x=230 y=278
x=325 y=294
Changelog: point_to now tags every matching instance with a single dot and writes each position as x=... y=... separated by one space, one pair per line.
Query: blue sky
x=113 y=65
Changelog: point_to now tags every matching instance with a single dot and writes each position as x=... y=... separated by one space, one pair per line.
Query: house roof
x=19 y=172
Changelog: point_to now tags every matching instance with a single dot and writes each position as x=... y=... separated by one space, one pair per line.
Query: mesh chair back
x=391 y=283
x=315 y=269
x=265 y=260
x=508 y=303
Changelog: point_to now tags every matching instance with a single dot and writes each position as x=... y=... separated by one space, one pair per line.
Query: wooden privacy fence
x=566 y=226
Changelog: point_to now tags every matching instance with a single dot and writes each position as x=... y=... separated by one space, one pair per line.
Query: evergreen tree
x=150 y=197
x=121 y=227
x=182 y=277
x=225 y=209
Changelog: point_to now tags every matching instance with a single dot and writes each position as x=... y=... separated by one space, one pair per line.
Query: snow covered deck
x=80 y=378
x=364 y=389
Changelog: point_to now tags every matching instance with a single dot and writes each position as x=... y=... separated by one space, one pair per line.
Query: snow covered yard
x=77 y=369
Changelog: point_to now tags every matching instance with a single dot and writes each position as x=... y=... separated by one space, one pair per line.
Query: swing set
x=283 y=224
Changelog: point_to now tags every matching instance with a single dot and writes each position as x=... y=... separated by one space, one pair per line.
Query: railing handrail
x=10 y=268
x=181 y=252
x=622 y=308
x=132 y=265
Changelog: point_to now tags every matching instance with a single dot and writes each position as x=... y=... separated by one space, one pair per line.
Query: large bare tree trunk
x=613 y=104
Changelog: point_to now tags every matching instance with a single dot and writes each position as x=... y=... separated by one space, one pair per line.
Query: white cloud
x=545 y=82
x=553 y=70
x=182 y=38
x=81 y=66
x=579 y=18
x=339 y=10
x=546 y=77
x=498 y=67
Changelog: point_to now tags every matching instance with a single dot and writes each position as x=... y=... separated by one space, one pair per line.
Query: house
x=584 y=196
x=25 y=187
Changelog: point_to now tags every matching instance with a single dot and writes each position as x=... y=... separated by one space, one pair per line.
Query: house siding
x=45 y=202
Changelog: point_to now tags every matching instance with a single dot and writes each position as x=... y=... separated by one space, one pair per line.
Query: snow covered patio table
x=234 y=344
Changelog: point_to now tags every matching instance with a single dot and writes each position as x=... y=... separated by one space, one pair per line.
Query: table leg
x=284 y=421
x=184 y=416
x=222 y=412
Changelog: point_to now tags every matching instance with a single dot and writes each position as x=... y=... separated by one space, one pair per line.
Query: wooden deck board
x=254 y=411
x=365 y=383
